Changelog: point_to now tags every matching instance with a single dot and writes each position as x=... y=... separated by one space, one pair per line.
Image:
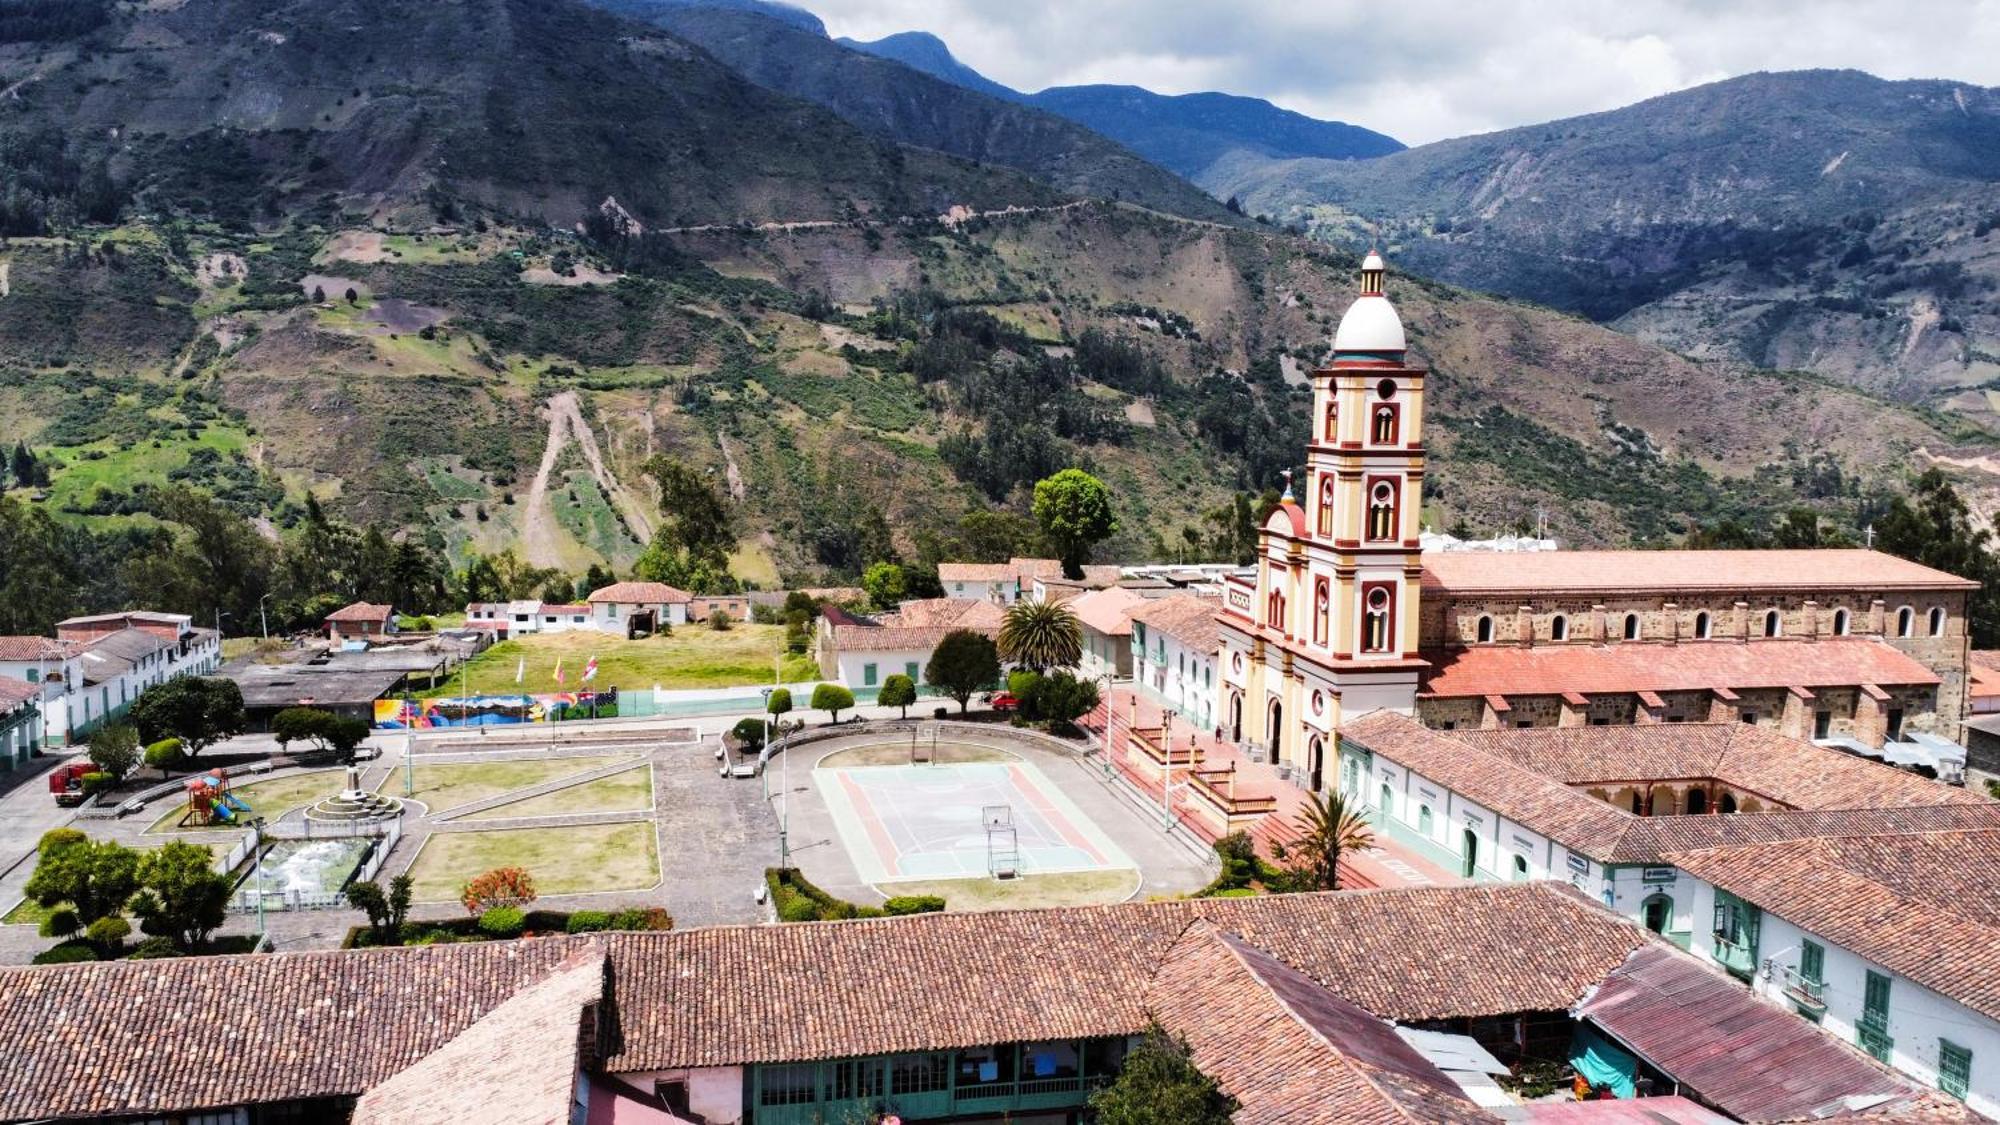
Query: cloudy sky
x=1421 y=70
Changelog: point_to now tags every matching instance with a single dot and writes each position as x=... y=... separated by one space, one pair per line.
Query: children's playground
x=213 y=801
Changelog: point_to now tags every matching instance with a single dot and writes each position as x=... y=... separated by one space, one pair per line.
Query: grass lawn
x=27 y=913
x=271 y=799
x=632 y=789
x=451 y=784
x=695 y=656
x=898 y=754
x=1076 y=888
x=601 y=857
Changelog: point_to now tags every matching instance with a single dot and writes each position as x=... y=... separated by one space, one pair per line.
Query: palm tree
x=1327 y=830
x=1041 y=635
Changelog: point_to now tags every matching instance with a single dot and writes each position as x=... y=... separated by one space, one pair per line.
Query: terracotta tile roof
x=1752 y=758
x=1652 y=572
x=1677 y=1012
x=1519 y=774
x=1924 y=906
x=1982 y=671
x=340 y=1022
x=1107 y=612
x=976 y=572
x=916 y=626
x=15 y=692
x=640 y=593
x=362 y=611
x=516 y=1065
x=1695 y=666
x=1515 y=791
x=1186 y=618
x=36 y=648
x=572 y=609
x=1288 y=1050
x=956 y=980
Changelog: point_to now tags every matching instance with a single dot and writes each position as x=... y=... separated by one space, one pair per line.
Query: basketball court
x=929 y=820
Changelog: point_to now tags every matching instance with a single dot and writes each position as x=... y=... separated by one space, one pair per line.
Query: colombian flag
x=559 y=675
x=589 y=671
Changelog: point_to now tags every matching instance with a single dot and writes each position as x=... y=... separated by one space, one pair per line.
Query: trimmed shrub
x=913 y=904
x=96 y=782
x=67 y=953
x=108 y=932
x=1236 y=892
x=60 y=922
x=749 y=733
x=588 y=922
x=154 y=949
x=797 y=908
x=503 y=922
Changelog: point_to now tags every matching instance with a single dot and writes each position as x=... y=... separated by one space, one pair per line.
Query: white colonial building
x=1174 y=656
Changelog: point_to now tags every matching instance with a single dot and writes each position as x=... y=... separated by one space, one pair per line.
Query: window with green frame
x=1872 y=1033
x=1424 y=819
x=1812 y=962
x=868 y=675
x=1954 y=1068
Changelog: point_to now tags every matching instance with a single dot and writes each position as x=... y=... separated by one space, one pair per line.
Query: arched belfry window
x=1774 y=623
x=1332 y=424
x=1322 y=607
x=1840 y=623
x=1701 y=626
x=1382 y=511
x=1559 y=628
x=1326 y=505
x=1485 y=631
x=1384 y=432
x=1631 y=626
x=1906 y=619
x=1937 y=622
x=1377 y=608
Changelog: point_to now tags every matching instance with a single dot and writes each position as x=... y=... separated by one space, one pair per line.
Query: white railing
x=246 y=900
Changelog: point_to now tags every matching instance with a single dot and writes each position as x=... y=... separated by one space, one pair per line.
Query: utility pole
x=263 y=623
x=1167 y=772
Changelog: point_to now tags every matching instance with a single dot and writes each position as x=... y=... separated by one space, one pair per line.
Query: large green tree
x=1160 y=1083
x=1074 y=510
x=964 y=662
x=181 y=895
x=81 y=880
x=39 y=576
x=1933 y=526
x=1041 y=635
x=198 y=711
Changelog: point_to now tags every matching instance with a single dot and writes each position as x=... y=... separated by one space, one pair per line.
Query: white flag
x=521 y=672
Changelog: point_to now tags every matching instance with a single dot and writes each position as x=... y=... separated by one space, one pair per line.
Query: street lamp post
x=257 y=863
x=263 y=622
x=1167 y=771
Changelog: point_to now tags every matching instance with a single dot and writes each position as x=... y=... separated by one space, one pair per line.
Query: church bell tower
x=1331 y=627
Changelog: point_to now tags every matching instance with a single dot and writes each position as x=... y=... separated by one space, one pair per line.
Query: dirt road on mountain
x=542 y=535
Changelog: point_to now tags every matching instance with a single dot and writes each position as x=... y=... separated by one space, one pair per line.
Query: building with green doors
x=20 y=722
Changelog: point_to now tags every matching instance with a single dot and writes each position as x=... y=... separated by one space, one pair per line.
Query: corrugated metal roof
x=1751 y=1059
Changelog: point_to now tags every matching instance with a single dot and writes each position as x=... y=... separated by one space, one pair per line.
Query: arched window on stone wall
x=1631 y=626
x=1701 y=626
x=1840 y=623
x=1937 y=621
x=1697 y=802
x=1906 y=621
x=1559 y=628
x=1727 y=804
x=1774 y=623
x=1484 y=633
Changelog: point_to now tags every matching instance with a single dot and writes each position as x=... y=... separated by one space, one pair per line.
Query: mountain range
x=1820 y=220
x=459 y=270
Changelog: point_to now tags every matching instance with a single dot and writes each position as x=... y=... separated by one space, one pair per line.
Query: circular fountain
x=355 y=805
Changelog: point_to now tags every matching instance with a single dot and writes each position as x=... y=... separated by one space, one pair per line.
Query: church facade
x=1345 y=615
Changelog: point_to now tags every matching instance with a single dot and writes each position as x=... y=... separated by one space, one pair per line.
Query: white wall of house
x=865 y=670
x=1919 y=1018
x=1105 y=655
x=1005 y=591
x=58 y=680
x=714 y=1093
x=610 y=617
x=88 y=706
x=1176 y=675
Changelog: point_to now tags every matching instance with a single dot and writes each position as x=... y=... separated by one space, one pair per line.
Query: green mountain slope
x=1821 y=220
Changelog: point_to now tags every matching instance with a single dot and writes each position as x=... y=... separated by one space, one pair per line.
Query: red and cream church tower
x=1330 y=627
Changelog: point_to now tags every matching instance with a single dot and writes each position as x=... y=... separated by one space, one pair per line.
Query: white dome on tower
x=1371 y=323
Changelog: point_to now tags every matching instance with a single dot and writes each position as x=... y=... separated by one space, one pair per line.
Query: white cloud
x=1423 y=70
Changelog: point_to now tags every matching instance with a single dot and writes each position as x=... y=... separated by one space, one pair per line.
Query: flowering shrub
x=502 y=886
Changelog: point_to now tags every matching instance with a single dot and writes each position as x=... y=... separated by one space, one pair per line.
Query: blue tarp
x=1604 y=1064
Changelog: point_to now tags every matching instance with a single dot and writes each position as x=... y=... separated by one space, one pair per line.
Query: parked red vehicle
x=1004 y=701
x=66 y=783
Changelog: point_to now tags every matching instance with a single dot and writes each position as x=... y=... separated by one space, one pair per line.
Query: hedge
x=798 y=899
x=67 y=953
x=1241 y=866
x=504 y=922
x=450 y=930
